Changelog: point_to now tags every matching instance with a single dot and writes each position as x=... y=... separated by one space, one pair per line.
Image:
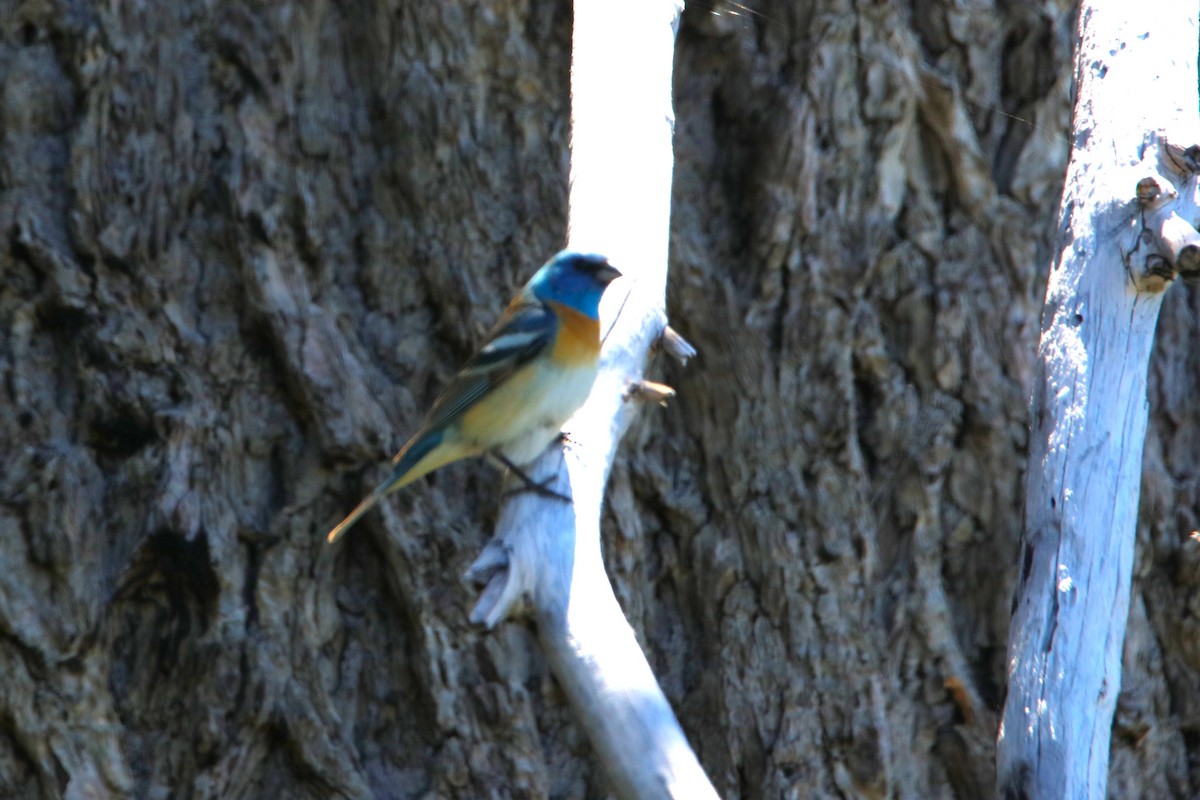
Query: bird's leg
x=542 y=488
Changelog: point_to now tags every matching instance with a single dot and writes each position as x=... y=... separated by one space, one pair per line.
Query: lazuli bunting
x=511 y=399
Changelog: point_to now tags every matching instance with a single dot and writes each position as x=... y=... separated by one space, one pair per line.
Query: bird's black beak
x=607 y=274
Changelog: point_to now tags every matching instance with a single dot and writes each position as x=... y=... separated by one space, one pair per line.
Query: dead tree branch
x=1127 y=228
x=545 y=553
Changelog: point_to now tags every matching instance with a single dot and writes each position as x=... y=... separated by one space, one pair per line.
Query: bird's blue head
x=574 y=279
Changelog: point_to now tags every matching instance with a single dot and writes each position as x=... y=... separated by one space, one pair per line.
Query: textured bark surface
x=244 y=244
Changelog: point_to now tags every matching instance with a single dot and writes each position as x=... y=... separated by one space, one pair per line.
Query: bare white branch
x=545 y=558
x=1127 y=225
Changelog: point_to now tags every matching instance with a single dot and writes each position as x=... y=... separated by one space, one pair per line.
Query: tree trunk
x=245 y=245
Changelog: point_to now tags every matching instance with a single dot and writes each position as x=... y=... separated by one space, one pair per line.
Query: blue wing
x=524 y=332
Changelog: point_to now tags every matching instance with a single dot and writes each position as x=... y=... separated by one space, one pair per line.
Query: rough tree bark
x=1126 y=230
x=243 y=246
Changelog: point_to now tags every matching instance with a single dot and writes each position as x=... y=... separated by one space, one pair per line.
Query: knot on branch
x=649 y=392
x=500 y=594
x=1169 y=247
x=1152 y=194
x=1183 y=160
x=1169 y=244
x=676 y=346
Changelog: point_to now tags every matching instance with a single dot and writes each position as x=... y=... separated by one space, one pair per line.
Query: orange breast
x=578 y=337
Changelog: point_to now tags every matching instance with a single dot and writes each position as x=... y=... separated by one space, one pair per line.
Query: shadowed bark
x=244 y=245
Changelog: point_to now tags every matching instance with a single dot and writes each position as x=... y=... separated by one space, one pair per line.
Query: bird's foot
x=541 y=488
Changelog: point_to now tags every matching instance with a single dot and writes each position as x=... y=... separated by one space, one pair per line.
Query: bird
x=511 y=399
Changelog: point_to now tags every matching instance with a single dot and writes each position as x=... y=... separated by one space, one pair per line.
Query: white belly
x=544 y=414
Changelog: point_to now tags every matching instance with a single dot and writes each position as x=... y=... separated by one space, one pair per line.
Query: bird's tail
x=366 y=505
x=407 y=467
